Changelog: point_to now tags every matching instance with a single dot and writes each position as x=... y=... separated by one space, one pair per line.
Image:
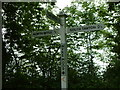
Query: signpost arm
x=64 y=69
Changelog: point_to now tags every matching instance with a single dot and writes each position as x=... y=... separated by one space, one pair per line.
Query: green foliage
x=37 y=64
x=19 y=25
x=112 y=75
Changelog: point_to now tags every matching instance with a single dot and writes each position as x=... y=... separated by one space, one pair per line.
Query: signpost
x=64 y=69
x=63 y=31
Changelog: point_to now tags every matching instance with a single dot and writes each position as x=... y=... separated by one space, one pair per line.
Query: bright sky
x=63 y=3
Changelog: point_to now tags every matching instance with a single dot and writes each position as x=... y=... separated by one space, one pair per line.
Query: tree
x=85 y=13
x=19 y=20
x=112 y=76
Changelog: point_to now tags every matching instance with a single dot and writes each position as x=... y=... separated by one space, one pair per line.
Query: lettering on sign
x=85 y=28
x=63 y=63
x=44 y=33
x=63 y=71
x=88 y=27
x=63 y=68
x=62 y=52
x=63 y=59
x=100 y=26
x=74 y=29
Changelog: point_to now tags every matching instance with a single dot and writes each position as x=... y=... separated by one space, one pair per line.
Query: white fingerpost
x=63 y=31
x=64 y=69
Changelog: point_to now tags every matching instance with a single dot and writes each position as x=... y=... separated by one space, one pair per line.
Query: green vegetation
x=29 y=62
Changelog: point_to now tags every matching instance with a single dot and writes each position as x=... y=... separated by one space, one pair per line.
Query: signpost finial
x=61 y=14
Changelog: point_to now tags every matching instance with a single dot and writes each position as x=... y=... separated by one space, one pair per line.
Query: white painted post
x=64 y=69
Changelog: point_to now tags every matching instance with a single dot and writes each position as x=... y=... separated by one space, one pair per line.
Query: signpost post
x=64 y=69
x=63 y=31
